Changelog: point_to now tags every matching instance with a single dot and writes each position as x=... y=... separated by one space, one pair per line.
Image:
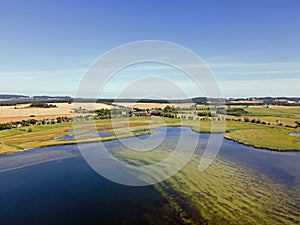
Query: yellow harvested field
x=23 y=111
x=154 y=105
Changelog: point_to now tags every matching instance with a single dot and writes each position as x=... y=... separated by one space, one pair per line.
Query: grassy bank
x=258 y=135
x=38 y=136
x=266 y=137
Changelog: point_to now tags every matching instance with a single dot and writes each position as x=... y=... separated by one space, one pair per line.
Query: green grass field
x=272 y=136
x=267 y=137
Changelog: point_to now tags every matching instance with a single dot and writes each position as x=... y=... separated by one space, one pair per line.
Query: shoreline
x=261 y=148
x=113 y=138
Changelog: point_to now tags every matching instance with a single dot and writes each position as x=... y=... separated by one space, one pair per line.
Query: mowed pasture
x=286 y=115
x=271 y=132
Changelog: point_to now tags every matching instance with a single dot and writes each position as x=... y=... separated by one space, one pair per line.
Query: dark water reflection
x=55 y=186
x=69 y=192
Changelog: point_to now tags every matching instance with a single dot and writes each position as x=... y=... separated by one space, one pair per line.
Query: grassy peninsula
x=267 y=136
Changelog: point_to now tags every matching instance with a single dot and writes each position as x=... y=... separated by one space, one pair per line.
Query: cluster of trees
x=5 y=126
x=247 y=120
x=108 y=113
x=207 y=114
x=103 y=113
x=215 y=111
x=235 y=112
x=42 y=105
x=10 y=125
x=258 y=121
x=14 y=102
x=168 y=111
x=32 y=121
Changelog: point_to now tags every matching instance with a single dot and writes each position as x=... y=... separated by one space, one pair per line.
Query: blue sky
x=253 y=47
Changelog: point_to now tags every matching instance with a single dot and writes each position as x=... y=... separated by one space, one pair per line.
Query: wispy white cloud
x=41 y=72
x=264 y=87
x=235 y=78
x=241 y=70
x=261 y=72
x=249 y=65
x=217 y=58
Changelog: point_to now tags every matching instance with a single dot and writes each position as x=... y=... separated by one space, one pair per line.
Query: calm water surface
x=55 y=185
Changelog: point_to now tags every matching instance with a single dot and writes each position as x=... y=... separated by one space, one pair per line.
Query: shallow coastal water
x=71 y=137
x=295 y=134
x=55 y=185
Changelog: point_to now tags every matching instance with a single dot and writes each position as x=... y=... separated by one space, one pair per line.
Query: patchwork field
x=24 y=111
